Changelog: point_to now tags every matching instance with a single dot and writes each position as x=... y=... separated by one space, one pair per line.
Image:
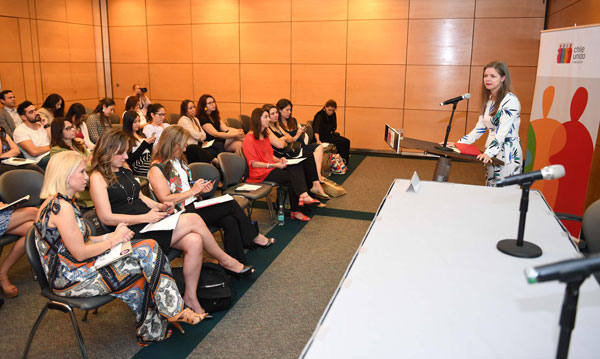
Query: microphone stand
x=519 y=247
x=567 y=316
x=443 y=147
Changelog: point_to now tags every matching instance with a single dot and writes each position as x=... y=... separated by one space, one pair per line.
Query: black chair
x=245 y=120
x=234 y=123
x=56 y=302
x=173 y=118
x=209 y=173
x=233 y=169
x=590 y=227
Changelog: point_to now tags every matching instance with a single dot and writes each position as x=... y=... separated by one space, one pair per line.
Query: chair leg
x=85 y=316
x=34 y=329
x=271 y=210
x=78 y=334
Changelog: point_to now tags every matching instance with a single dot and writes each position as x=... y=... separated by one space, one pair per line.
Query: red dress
x=257 y=151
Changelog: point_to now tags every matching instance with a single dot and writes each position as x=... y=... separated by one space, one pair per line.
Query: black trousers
x=341 y=143
x=295 y=178
x=238 y=232
x=195 y=153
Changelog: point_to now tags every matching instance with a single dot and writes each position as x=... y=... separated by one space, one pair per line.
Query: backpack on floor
x=214 y=287
x=338 y=165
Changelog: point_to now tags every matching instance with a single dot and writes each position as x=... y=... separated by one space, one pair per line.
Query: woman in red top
x=264 y=166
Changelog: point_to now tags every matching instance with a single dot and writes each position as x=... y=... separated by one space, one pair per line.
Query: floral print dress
x=142 y=280
x=503 y=140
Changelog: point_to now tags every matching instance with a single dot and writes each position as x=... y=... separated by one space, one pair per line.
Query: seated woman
x=325 y=124
x=68 y=254
x=194 y=151
x=98 y=121
x=264 y=166
x=77 y=115
x=156 y=113
x=63 y=138
x=226 y=138
x=280 y=139
x=14 y=221
x=133 y=104
x=140 y=147
x=53 y=107
x=171 y=181
x=8 y=149
x=116 y=195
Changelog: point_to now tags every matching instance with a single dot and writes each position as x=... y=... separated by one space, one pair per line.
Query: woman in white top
x=157 y=125
x=140 y=147
x=501 y=116
x=76 y=115
x=194 y=151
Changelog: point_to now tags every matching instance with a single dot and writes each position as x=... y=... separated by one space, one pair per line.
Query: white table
x=428 y=282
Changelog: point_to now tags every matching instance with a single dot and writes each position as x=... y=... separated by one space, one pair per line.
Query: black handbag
x=292 y=150
x=214 y=287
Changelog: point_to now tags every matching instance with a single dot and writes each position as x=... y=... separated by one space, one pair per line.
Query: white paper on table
x=247 y=187
x=293 y=161
x=415 y=183
x=166 y=224
x=16 y=161
x=207 y=144
x=212 y=201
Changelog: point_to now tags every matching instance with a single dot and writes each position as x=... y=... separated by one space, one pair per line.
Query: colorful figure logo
x=565 y=52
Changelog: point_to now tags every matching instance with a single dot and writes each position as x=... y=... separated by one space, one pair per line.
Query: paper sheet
x=213 y=201
x=207 y=144
x=166 y=224
x=293 y=161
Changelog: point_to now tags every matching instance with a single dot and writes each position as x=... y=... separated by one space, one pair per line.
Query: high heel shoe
x=308 y=200
x=187 y=316
x=11 y=291
x=320 y=195
x=299 y=216
x=247 y=271
x=270 y=242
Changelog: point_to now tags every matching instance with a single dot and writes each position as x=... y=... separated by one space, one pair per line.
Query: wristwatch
x=46 y=125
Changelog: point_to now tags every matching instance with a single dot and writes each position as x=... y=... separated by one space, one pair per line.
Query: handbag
x=338 y=165
x=214 y=287
x=292 y=150
x=333 y=189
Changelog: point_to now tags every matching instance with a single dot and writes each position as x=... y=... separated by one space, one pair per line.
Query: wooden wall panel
x=265 y=10
x=53 y=41
x=125 y=75
x=434 y=9
x=364 y=126
x=79 y=12
x=56 y=78
x=11 y=43
x=29 y=83
x=84 y=81
x=210 y=11
x=375 y=86
x=220 y=80
x=25 y=39
x=11 y=75
x=14 y=8
x=171 y=81
x=377 y=42
x=264 y=83
x=581 y=12
x=160 y=12
x=262 y=42
x=518 y=45
x=127 y=44
x=55 y=10
x=320 y=42
x=440 y=42
x=431 y=125
x=247 y=108
x=216 y=43
x=229 y=109
x=555 y=6
x=81 y=43
x=170 y=44
x=377 y=9
x=305 y=113
x=315 y=84
x=310 y=10
x=430 y=85
x=510 y=8
x=126 y=13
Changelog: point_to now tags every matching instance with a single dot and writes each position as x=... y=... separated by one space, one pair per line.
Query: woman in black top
x=226 y=138
x=140 y=147
x=116 y=195
x=325 y=124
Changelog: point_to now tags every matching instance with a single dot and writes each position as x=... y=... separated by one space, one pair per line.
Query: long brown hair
x=105 y=102
x=255 y=124
x=214 y=118
x=112 y=141
x=505 y=86
x=56 y=136
x=291 y=123
x=170 y=138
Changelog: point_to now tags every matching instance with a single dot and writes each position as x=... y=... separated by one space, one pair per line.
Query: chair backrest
x=232 y=168
x=310 y=133
x=114 y=119
x=245 y=120
x=18 y=183
x=88 y=110
x=207 y=172
x=590 y=227
x=34 y=258
x=235 y=123
x=173 y=118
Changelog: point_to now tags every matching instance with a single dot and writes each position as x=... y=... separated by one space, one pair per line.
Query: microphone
x=547 y=173
x=564 y=271
x=464 y=96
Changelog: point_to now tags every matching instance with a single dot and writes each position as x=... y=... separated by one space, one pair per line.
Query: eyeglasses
x=69 y=128
x=161 y=114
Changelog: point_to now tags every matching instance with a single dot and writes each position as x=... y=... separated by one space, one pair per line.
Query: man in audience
x=141 y=93
x=9 y=118
x=33 y=135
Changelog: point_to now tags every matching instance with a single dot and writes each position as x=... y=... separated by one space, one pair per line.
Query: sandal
x=320 y=195
x=270 y=242
x=187 y=316
x=11 y=291
x=299 y=216
x=308 y=200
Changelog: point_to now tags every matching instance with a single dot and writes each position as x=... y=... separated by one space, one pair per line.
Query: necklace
x=129 y=198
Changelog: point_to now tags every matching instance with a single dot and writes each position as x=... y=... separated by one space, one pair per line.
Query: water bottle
x=280 y=217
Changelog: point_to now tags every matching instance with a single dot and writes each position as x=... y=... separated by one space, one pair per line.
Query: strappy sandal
x=12 y=290
x=186 y=316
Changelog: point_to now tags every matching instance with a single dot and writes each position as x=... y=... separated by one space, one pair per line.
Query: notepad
x=213 y=201
x=466 y=149
x=207 y=144
x=17 y=161
x=247 y=188
x=13 y=204
x=166 y=224
x=293 y=161
x=117 y=252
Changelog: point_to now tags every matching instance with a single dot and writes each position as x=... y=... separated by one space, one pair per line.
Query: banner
x=565 y=115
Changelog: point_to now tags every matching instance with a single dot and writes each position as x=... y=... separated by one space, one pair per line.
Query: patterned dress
x=142 y=280
x=503 y=139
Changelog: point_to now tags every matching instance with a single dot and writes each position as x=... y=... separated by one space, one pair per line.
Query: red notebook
x=466 y=149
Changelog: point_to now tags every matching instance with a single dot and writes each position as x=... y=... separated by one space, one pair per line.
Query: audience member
x=33 y=135
x=15 y=221
x=116 y=195
x=63 y=138
x=325 y=124
x=264 y=166
x=9 y=118
x=98 y=121
x=157 y=115
x=77 y=116
x=140 y=93
x=226 y=138
x=139 y=151
x=10 y=149
x=133 y=104
x=188 y=120
x=171 y=181
x=69 y=254
x=53 y=107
